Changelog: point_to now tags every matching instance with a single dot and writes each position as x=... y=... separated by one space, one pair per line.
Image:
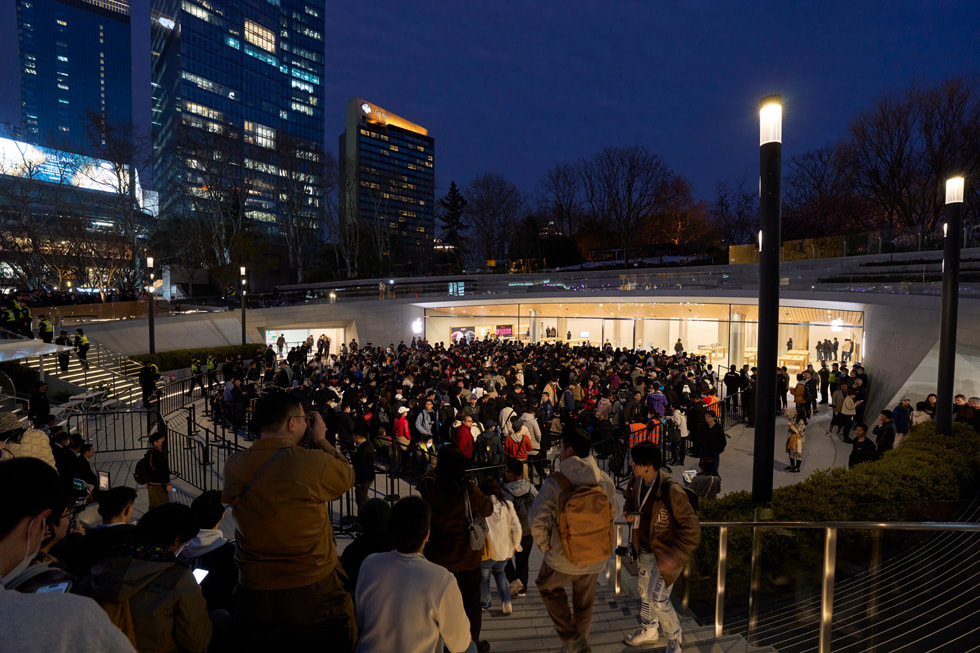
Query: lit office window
x=260 y=36
x=260 y=135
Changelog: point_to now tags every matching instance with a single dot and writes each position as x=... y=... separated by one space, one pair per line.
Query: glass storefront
x=725 y=333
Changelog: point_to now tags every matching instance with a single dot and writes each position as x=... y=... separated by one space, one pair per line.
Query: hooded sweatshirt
x=168 y=608
x=210 y=550
x=544 y=512
x=504 y=530
x=518 y=444
x=521 y=493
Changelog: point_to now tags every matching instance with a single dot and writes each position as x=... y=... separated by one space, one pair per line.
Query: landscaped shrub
x=181 y=358
x=926 y=479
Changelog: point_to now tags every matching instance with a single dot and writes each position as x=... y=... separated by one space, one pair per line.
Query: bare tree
x=561 y=197
x=492 y=211
x=299 y=196
x=624 y=187
x=820 y=199
x=349 y=223
x=735 y=213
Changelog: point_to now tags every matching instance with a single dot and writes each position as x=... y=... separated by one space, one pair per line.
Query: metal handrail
x=829 y=562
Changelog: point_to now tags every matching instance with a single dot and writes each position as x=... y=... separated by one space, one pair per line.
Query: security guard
x=212 y=364
x=195 y=376
x=45 y=329
x=81 y=348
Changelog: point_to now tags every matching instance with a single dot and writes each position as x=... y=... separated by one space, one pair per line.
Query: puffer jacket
x=504 y=530
x=34 y=443
x=544 y=512
x=671 y=539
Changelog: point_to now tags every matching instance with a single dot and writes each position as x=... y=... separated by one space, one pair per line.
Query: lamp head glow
x=954 y=190
x=771 y=119
x=242 y=270
x=149 y=261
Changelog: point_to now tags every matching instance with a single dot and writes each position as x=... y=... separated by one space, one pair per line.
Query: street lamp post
x=951 y=288
x=149 y=304
x=242 y=271
x=770 y=147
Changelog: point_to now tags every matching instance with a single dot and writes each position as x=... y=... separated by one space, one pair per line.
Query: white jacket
x=504 y=530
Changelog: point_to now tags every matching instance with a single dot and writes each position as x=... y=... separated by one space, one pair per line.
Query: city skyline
x=684 y=82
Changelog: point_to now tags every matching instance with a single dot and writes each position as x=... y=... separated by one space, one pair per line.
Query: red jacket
x=464 y=438
x=518 y=450
x=401 y=430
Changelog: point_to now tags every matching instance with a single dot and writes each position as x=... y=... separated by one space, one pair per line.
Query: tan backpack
x=585 y=522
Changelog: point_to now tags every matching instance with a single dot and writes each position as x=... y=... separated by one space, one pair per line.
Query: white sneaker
x=673 y=646
x=506 y=608
x=642 y=635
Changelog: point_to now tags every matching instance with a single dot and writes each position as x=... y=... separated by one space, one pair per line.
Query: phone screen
x=55 y=587
x=200 y=575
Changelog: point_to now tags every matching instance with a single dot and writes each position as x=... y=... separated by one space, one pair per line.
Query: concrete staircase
x=529 y=629
x=107 y=370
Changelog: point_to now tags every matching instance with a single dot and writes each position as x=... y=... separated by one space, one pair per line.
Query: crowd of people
x=174 y=581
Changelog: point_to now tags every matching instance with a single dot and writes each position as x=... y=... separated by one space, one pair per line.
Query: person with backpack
x=488 y=449
x=518 y=445
x=572 y=523
x=156 y=470
x=666 y=532
x=521 y=493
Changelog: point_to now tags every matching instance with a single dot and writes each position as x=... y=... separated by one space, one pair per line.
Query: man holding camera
x=665 y=533
x=291 y=592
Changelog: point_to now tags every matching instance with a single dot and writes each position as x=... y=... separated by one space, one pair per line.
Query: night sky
x=515 y=87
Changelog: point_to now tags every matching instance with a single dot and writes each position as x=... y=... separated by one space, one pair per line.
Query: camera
x=626 y=552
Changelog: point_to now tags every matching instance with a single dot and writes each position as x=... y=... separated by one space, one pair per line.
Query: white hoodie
x=504 y=530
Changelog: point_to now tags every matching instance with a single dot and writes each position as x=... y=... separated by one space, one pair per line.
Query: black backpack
x=141 y=473
x=486 y=449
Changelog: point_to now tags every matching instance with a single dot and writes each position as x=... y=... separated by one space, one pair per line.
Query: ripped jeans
x=656 y=608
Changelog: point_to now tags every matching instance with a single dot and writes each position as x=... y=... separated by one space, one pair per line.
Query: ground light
x=149 y=305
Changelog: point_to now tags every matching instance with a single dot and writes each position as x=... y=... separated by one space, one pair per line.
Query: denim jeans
x=496 y=569
x=656 y=608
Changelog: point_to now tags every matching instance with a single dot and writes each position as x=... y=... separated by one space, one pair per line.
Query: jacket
x=533 y=430
x=503 y=530
x=449 y=540
x=518 y=445
x=673 y=539
x=544 y=512
x=402 y=436
x=168 y=609
x=363 y=463
x=521 y=493
x=34 y=443
x=464 y=439
x=210 y=550
x=284 y=533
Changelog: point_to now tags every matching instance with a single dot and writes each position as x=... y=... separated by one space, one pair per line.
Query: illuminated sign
x=19 y=159
x=378 y=116
x=505 y=330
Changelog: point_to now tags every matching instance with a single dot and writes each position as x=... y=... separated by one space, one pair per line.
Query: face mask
x=23 y=564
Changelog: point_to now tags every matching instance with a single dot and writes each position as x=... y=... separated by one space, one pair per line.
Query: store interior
x=725 y=333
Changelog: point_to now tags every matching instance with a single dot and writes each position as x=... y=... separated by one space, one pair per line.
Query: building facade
x=237 y=112
x=74 y=63
x=387 y=182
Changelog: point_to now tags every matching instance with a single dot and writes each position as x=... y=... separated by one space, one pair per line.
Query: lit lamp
x=149 y=304
x=770 y=240
x=241 y=271
x=952 y=229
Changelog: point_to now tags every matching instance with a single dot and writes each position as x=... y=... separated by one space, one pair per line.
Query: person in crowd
x=145 y=587
x=82 y=552
x=927 y=406
x=519 y=491
x=794 y=443
x=448 y=493
x=53 y=620
x=291 y=593
x=372 y=518
x=212 y=552
x=363 y=464
x=848 y=414
x=504 y=539
x=403 y=438
x=884 y=433
x=714 y=441
x=578 y=467
x=64 y=354
x=464 y=438
x=82 y=345
x=431 y=618
x=862 y=449
x=148 y=378
x=902 y=417
x=158 y=487
x=665 y=534
x=39 y=406
x=705 y=484
x=25 y=443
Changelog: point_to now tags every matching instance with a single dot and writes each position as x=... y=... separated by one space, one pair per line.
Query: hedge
x=181 y=358
x=927 y=478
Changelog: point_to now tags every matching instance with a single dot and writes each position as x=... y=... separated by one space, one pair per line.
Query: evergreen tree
x=452 y=218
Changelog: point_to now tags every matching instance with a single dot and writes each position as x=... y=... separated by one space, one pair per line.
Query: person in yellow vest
x=195 y=377
x=212 y=364
x=81 y=348
x=45 y=330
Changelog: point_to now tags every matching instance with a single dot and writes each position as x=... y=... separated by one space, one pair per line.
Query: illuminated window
x=260 y=36
x=302 y=108
x=62 y=23
x=260 y=135
x=202 y=110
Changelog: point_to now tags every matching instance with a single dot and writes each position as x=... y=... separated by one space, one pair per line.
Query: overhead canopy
x=15 y=350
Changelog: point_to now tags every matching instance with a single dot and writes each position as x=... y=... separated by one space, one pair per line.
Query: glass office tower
x=74 y=61
x=238 y=101
x=388 y=181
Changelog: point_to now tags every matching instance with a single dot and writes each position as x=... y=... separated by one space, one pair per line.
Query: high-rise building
x=238 y=109
x=387 y=180
x=74 y=61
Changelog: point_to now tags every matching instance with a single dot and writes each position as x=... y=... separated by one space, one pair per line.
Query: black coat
x=363 y=463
